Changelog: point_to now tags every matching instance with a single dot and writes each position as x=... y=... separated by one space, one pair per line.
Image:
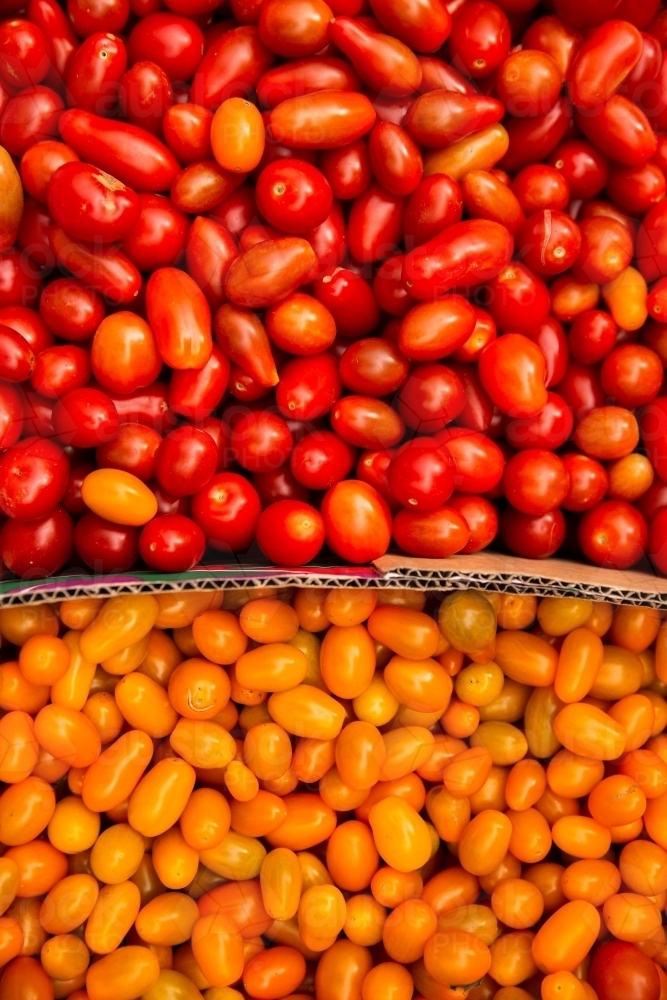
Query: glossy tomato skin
x=532 y=536
x=421 y=474
x=129 y=153
x=290 y=532
x=94 y=73
x=226 y=510
x=308 y=387
x=105 y=547
x=535 y=481
x=186 y=460
x=261 y=441
x=321 y=459
x=70 y=310
x=465 y=253
x=174 y=42
x=33 y=478
x=172 y=543
x=549 y=428
x=85 y=418
x=431 y=397
x=293 y=195
x=613 y=534
x=357 y=521
x=59 y=369
x=621 y=970
x=91 y=205
x=350 y=300
x=481 y=517
x=30 y=116
x=158 y=237
x=133 y=449
x=38 y=548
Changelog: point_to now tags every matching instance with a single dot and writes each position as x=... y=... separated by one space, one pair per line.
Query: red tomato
x=106 y=547
x=172 y=543
x=421 y=474
x=290 y=532
x=186 y=460
x=321 y=459
x=227 y=510
x=621 y=971
x=613 y=534
x=33 y=478
x=357 y=521
x=34 y=549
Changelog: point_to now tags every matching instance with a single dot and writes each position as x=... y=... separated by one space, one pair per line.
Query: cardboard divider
x=484 y=570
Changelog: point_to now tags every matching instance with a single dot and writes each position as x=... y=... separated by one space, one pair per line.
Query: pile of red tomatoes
x=280 y=274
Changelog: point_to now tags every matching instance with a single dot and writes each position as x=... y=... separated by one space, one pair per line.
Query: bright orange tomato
x=565 y=939
x=237 y=135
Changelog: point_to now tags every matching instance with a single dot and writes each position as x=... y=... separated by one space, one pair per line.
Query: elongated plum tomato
x=357 y=521
x=513 y=372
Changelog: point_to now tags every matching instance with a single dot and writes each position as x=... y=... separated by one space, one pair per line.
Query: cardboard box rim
x=484 y=571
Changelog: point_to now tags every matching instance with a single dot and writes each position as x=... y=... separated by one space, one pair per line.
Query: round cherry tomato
x=290 y=532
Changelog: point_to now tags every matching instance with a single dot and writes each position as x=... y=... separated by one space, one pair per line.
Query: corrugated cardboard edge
x=509 y=574
x=484 y=570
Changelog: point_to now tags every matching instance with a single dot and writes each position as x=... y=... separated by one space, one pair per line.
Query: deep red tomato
x=308 y=387
x=94 y=73
x=422 y=474
x=478 y=461
x=534 y=537
x=480 y=37
x=350 y=300
x=357 y=521
x=613 y=534
x=372 y=366
x=39 y=548
x=85 y=418
x=173 y=42
x=290 y=532
x=88 y=16
x=24 y=54
x=431 y=397
x=549 y=428
x=72 y=499
x=60 y=369
x=172 y=543
x=70 y=309
x=33 y=478
x=481 y=517
x=194 y=393
x=90 y=204
x=186 y=460
x=592 y=336
x=27 y=322
x=279 y=484
x=518 y=300
x=657 y=541
x=535 y=481
x=261 y=441
x=226 y=510
x=29 y=117
x=133 y=449
x=621 y=971
x=433 y=534
x=145 y=95
x=321 y=459
x=159 y=235
x=373 y=468
x=17 y=359
x=632 y=375
x=105 y=547
x=293 y=195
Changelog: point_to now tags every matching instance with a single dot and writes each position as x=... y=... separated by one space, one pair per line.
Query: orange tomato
x=18 y=747
x=352 y=858
x=407 y=930
x=342 y=971
x=198 y=689
x=321 y=916
x=40 y=865
x=526 y=658
x=525 y=785
x=114 y=775
x=594 y=881
x=112 y=916
x=119 y=496
x=347 y=660
x=517 y=903
x=531 y=837
x=630 y=916
x=579 y=661
x=174 y=860
x=455 y=958
x=512 y=960
x=306 y=711
x=237 y=135
x=485 y=842
x=467 y=771
x=281 y=881
x=400 y=834
x=410 y=634
x=126 y=973
x=581 y=836
x=565 y=939
x=643 y=867
x=590 y=732
x=161 y=796
x=68 y=904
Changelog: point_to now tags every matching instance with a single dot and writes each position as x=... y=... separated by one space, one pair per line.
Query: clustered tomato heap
x=290 y=273
x=339 y=795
